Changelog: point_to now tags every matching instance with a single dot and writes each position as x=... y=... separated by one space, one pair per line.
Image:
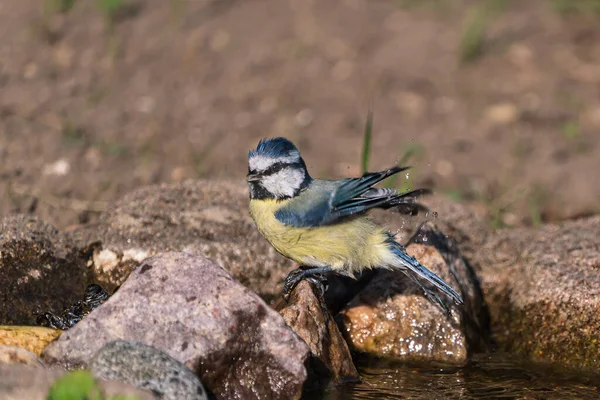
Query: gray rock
x=391 y=318
x=192 y=309
x=18 y=355
x=19 y=382
x=40 y=270
x=207 y=216
x=542 y=287
x=146 y=368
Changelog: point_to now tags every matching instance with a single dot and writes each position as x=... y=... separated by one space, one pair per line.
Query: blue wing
x=326 y=202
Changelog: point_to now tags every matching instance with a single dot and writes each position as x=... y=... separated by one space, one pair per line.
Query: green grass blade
x=413 y=150
x=366 y=151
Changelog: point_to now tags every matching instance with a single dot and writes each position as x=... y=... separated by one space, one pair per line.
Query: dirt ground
x=93 y=107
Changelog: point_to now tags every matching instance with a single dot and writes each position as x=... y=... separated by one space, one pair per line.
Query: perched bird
x=322 y=224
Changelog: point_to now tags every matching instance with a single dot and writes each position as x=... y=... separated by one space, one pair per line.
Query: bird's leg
x=313 y=275
x=432 y=297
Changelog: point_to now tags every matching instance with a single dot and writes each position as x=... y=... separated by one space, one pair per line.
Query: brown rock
x=391 y=318
x=542 y=287
x=30 y=338
x=211 y=217
x=190 y=308
x=307 y=315
x=18 y=355
x=21 y=382
x=40 y=270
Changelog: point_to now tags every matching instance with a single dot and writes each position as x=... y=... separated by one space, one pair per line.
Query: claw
x=314 y=275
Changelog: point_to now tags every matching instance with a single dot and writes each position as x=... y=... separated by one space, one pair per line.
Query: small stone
x=220 y=40
x=342 y=70
x=105 y=260
x=444 y=168
x=502 y=114
x=30 y=338
x=413 y=104
x=63 y=56
x=146 y=368
x=178 y=174
x=17 y=355
x=58 y=168
x=305 y=117
x=510 y=219
x=93 y=156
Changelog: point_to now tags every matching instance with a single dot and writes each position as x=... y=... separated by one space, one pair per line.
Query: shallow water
x=487 y=377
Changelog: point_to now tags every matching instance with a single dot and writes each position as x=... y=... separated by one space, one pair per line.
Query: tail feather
x=414 y=266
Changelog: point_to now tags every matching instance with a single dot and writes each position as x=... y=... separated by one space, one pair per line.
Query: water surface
x=487 y=377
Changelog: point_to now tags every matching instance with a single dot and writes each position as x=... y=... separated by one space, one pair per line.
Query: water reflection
x=487 y=377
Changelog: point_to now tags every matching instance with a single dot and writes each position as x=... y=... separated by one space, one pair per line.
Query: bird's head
x=276 y=170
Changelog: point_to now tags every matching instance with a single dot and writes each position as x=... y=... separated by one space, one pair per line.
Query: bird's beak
x=252 y=177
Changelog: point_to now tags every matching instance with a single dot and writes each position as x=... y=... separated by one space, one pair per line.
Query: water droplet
x=435 y=214
x=407 y=174
x=424 y=239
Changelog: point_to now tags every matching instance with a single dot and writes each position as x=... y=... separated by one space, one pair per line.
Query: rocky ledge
x=192 y=310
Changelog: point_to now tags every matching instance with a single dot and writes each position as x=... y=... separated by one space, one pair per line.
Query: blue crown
x=273 y=147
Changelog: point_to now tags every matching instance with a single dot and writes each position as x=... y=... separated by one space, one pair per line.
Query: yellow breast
x=351 y=245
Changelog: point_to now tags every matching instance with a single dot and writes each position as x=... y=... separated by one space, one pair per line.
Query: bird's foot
x=313 y=275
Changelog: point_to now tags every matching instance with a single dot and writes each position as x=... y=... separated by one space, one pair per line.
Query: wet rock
x=192 y=309
x=32 y=383
x=542 y=287
x=30 y=338
x=308 y=316
x=18 y=355
x=211 y=217
x=391 y=318
x=40 y=269
x=146 y=368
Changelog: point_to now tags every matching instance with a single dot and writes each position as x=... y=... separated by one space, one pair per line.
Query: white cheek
x=284 y=182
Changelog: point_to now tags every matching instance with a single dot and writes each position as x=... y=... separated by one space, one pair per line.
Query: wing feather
x=350 y=197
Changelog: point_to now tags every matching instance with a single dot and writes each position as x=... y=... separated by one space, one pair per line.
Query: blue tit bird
x=323 y=224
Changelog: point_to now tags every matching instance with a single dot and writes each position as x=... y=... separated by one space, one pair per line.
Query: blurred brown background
x=498 y=100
